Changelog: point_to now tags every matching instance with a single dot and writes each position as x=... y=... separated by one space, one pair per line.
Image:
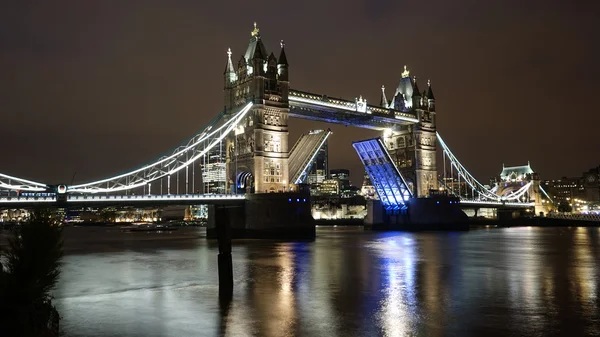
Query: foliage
x=564 y=207
x=31 y=270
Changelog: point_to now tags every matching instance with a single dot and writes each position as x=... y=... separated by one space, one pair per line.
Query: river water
x=348 y=282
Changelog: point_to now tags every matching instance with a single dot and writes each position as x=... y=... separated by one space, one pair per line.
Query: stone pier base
x=421 y=214
x=284 y=216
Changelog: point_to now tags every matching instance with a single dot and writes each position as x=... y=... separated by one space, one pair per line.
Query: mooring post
x=223 y=229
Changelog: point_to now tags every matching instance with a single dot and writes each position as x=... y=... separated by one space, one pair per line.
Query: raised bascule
x=264 y=175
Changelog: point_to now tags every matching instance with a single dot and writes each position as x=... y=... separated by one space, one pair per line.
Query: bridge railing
x=582 y=217
x=156 y=197
x=98 y=198
x=16 y=200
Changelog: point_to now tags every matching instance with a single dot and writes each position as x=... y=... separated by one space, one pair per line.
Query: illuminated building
x=319 y=169
x=343 y=178
x=214 y=168
x=329 y=187
x=367 y=189
x=591 y=184
x=585 y=188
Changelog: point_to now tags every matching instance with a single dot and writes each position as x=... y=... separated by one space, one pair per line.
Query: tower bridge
x=253 y=130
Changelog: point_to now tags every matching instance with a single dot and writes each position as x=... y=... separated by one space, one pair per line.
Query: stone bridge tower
x=257 y=153
x=413 y=147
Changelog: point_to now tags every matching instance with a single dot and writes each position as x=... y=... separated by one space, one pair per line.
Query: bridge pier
x=225 y=262
x=421 y=214
x=286 y=216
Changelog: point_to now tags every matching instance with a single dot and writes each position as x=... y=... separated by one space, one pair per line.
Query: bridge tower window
x=401 y=142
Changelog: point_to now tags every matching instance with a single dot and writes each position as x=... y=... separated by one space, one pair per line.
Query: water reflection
x=502 y=282
x=399 y=301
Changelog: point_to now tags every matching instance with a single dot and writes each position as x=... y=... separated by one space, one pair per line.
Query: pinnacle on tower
x=255 y=32
x=429 y=90
x=229 y=73
x=282 y=57
x=416 y=92
x=406 y=72
x=282 y=64
x=384 y=102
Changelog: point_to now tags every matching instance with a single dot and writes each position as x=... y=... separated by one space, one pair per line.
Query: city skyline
x=93 y=96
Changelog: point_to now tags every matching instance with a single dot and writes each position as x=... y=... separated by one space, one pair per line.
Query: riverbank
x=535 y=221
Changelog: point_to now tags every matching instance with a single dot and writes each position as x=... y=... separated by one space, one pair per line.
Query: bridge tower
x=413 y=147
x=257 y=153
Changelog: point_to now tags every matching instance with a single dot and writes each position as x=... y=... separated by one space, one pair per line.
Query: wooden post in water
x=223 y=229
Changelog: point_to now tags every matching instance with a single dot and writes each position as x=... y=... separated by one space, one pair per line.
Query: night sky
x=100 y=87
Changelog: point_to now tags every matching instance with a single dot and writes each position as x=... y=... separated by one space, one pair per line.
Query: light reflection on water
x=349 y=282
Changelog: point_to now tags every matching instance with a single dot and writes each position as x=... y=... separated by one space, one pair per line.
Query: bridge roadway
x=495 y=204
x=183 y=199
x=123 y=200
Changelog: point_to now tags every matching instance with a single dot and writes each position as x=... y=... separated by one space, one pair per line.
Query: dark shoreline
x=474 y=223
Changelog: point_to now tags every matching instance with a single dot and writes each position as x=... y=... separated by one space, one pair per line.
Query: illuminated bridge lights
x=389 y=183
x=181 y=157
x=170 y=197
x=17 y=200
x=127 y=198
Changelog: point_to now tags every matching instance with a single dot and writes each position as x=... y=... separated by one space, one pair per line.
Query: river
x=349 y=282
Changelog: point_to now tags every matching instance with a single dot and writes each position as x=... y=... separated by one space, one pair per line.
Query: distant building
x=591 y=184
x=520 y=183
x=515 y=173
x=367 y=189
x=329 y=187
x=564 y=189
x=457 y=187
x=342 y=174
x=585 y=188
x=319 y=169
x=214 y=176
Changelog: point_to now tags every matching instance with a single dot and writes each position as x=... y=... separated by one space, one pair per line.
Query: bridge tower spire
x=384 y=102
x=230 y=76
x=282 y=64
x=257 y=155
x=430 y=97
x=416 y=94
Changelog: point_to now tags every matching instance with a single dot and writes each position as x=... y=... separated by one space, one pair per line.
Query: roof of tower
x=416 y=91
x=256 y=49
x=429 y=90
x=516 y=172
x=282 y=57
x=272 y=58
x=405 y=86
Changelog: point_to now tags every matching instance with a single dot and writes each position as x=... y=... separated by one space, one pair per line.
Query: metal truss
x=481 y=190
x=307 y=149
x=483 y=193
x=14 y=183
x=389 y=183
x=165 y=166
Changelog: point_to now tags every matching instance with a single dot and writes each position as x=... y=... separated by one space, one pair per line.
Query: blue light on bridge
x=389 y=183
